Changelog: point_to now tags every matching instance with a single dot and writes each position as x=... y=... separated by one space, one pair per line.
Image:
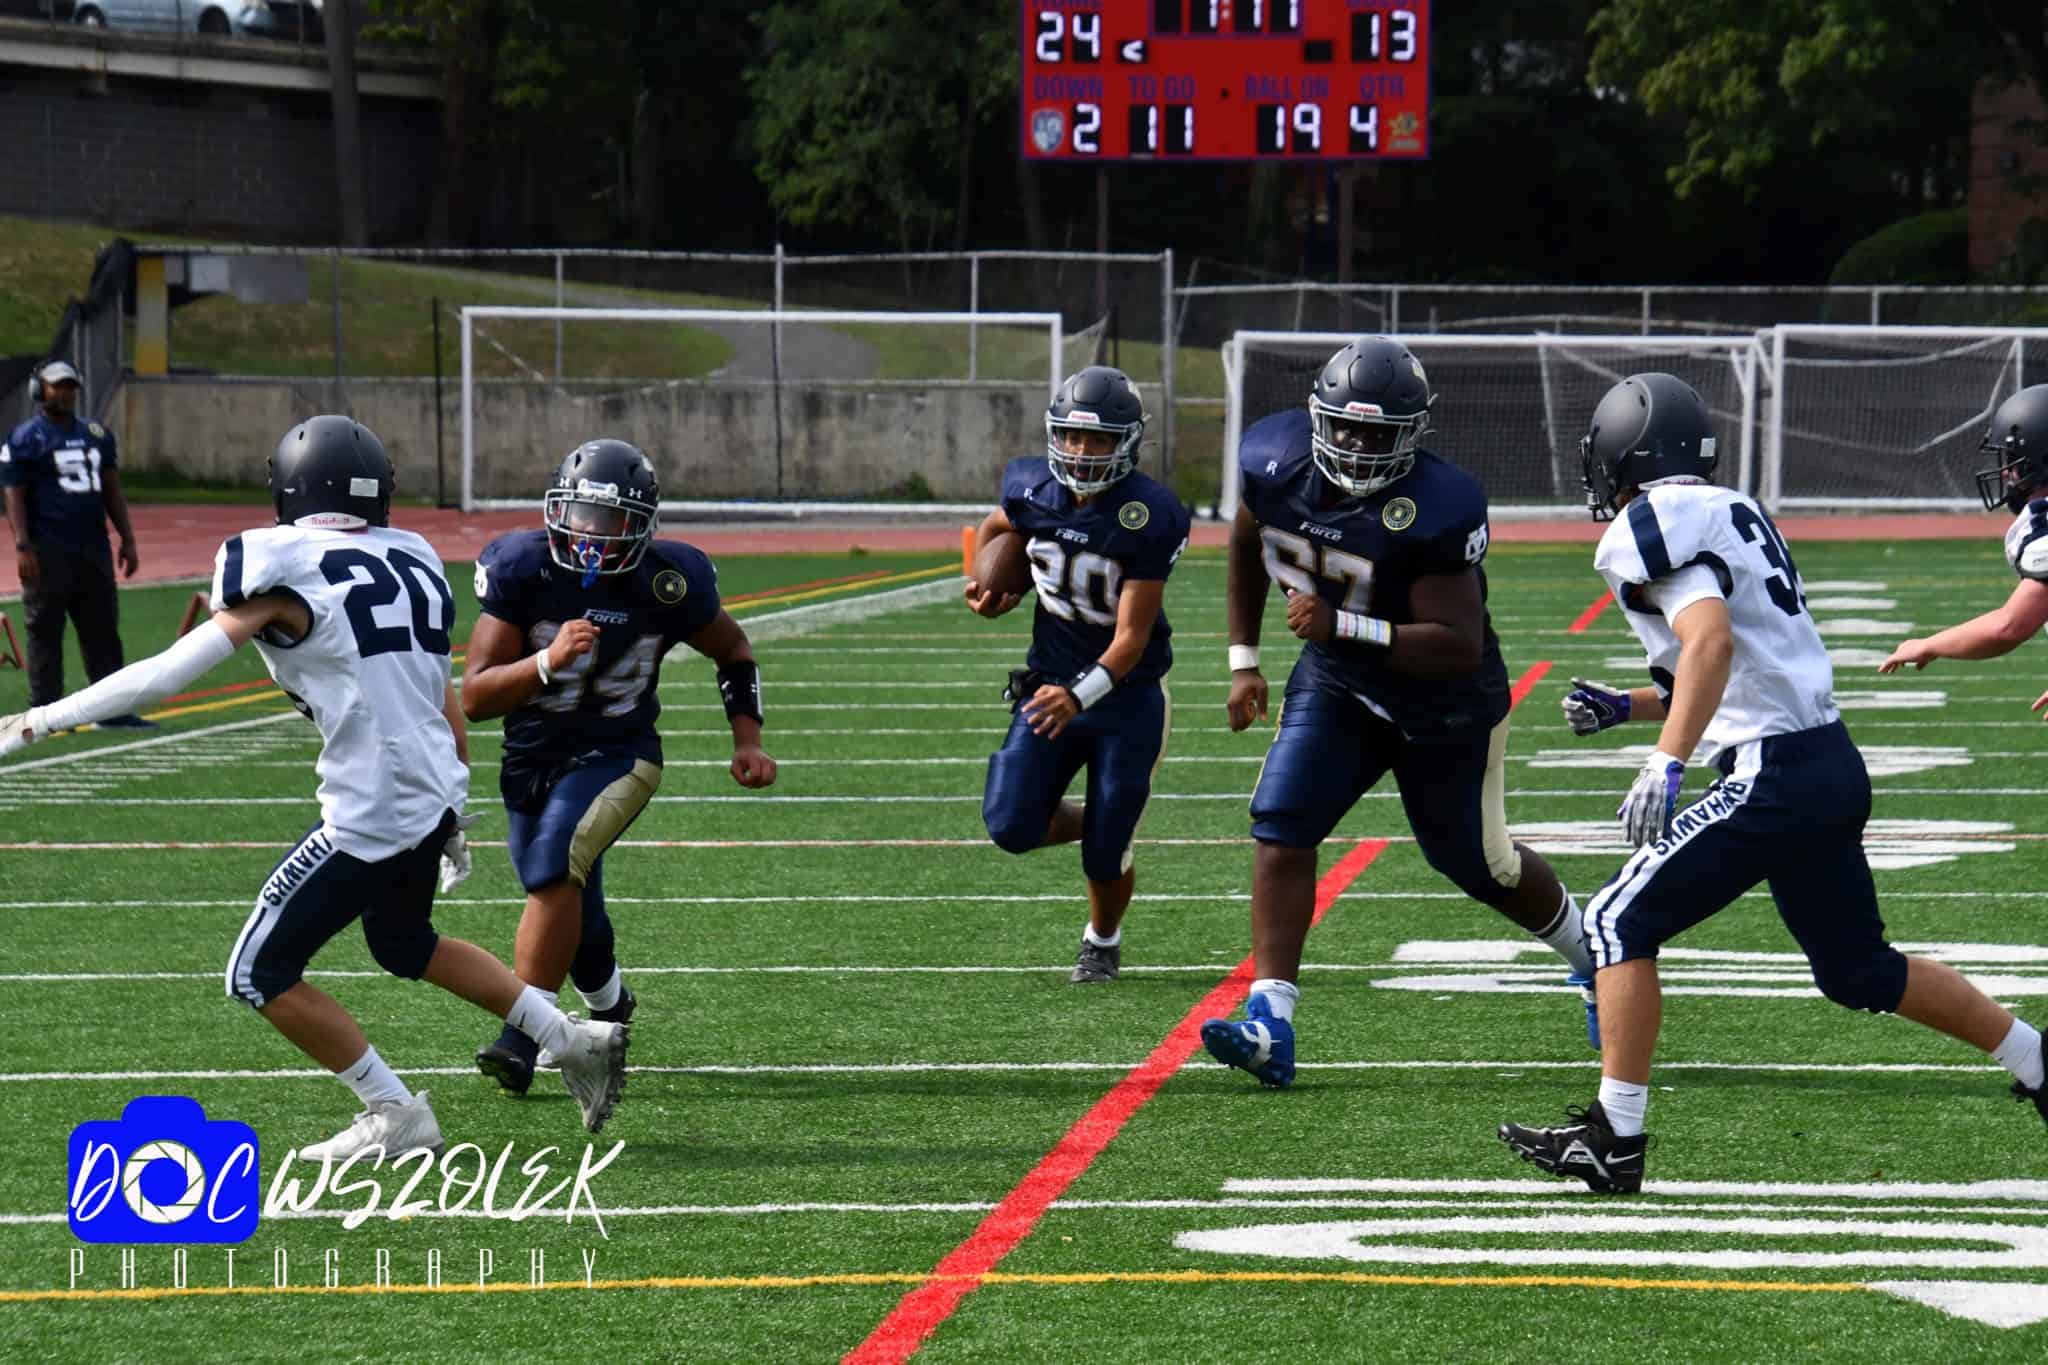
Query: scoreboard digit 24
x=1225 y=80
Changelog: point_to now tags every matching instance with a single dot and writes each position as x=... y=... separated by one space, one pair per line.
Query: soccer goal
x=763 y=413
x=1876 y=418
x=1511 y=408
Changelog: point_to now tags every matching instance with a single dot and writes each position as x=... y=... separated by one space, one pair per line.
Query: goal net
x=1887 y=417
x=1511 y=408
x=763 y=413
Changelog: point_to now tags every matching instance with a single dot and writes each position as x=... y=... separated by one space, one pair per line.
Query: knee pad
x=1876 y=983
x=403 y=953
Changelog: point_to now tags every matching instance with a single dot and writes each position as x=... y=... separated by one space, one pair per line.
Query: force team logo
x=1048 y=130
x=1132 y=516
x=1398 y=514
x=669 y=587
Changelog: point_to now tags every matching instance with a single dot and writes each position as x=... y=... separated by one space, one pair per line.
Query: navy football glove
x=1591 y=707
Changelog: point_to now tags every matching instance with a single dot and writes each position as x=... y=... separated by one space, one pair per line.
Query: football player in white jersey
x=2018 y=443
x=352 y=620
x=1742 y=682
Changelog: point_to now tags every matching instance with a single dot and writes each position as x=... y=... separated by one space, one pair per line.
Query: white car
x=267 y=18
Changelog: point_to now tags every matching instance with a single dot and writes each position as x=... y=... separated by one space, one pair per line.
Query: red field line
x=1590 y=614
x=1527 y=681
x=918 y=1314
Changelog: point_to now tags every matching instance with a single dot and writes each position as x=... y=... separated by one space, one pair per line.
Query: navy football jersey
x=58 y=467
x=1081 y=556
x=606 y=698
x=1364 y=555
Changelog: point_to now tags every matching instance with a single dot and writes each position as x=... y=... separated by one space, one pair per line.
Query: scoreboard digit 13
x=1225 y=80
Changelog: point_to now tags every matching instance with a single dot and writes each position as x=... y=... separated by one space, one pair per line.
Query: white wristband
x=1092 y=686
x=1243 y=657
x=540 y=666
x=1370 y=630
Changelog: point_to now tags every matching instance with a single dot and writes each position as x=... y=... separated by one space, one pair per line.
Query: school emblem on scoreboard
x=1048 y=130
x=1404 y=126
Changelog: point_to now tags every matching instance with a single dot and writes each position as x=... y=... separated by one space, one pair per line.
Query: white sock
x=1088 y=935
x=1624 y=1104
x=534 y=1014
x=1566 y=935
x=374 y=1081
x=2020 y=1054
x=605 y=996
x=1280 y=996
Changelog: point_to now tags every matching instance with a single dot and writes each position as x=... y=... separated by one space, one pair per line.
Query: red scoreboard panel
x=1225 y=80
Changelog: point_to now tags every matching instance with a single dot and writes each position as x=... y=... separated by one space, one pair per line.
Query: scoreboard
x=1225 y=80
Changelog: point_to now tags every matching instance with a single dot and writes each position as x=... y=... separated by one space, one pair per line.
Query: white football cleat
x=594 y=1068
x=396 y=1127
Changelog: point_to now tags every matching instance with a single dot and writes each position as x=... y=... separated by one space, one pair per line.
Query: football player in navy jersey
x=1102 y=539
x=576 y=618
x=2018 y=482
x=1377 y=545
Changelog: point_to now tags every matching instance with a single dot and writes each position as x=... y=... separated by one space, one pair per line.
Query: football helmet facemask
x=1095 y=399
x=2018 y=439
x=1648 y=429
x=1368 y=413
x=332 y=472
x=602 y=510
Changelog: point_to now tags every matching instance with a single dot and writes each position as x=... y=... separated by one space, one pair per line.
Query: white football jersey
x=372 y=672
x=2026 y=542
x=1780 y=679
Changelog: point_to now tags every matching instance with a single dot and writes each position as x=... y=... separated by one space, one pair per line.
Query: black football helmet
x=603 y=509
x=1100 y=399
x=2019 y=439
x=332 y=472
x=1649 y=428
x=1367 y=414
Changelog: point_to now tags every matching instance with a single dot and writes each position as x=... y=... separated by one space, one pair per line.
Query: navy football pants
x=543 y=842
x=1789 y=811
x=1119 y=740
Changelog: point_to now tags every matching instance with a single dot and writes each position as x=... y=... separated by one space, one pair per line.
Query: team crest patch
x=98 y=431
x=483 y=580
x=1048 y=129
x=1132 y=516
x=1398 y=514
x=669 y=587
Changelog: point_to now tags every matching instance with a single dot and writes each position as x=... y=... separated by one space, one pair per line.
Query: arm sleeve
x=139 y=684
x=1674 y=593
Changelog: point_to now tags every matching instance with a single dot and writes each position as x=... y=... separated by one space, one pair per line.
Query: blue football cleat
x=1585 y=985
x=1258 y=1043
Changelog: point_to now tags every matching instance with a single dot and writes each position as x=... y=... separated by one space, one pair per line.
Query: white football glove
x=455 y=859
x=17 y=732
x=1645 y=813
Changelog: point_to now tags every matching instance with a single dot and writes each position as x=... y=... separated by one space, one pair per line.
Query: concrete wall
x=149 y=153
x=708 y=440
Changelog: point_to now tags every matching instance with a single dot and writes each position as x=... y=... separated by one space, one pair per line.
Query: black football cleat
x=509 y=1060
x=2038 y=1094
x=620 y=1013
x=1096 y=963
x=1586 y=1149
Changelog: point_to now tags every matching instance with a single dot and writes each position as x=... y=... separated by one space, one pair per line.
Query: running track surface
x=178 y=540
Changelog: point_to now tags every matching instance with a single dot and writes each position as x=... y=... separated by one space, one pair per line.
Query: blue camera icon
x=163 y=1172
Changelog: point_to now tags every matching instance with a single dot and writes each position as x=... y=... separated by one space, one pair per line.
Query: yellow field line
x=1293 y=1277
x=847 y=589
x=843 y=589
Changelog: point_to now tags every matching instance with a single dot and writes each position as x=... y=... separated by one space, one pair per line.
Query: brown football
x=1002 y=565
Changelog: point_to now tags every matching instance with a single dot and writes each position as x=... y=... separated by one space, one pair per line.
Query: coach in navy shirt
x=62 y=487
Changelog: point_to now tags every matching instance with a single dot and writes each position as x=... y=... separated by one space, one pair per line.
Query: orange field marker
x=967 y=551
x=12 y=658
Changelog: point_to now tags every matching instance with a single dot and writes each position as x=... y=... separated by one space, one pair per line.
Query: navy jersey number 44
x=607 y=697
x=1081 y=556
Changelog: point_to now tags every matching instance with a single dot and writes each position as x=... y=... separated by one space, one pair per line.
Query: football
x=1002 y=565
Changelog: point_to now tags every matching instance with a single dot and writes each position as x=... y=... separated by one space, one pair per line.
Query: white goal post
x=859 y=423
x=1513 y=405
x=1886 y=418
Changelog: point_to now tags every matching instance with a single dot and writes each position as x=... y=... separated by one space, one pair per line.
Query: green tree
x=868 y=111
